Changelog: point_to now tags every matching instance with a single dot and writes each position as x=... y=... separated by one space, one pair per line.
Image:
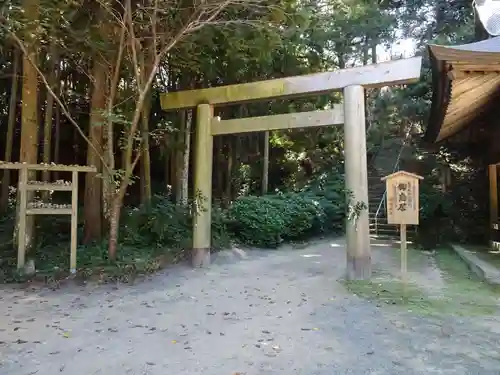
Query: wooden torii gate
x=352 y=81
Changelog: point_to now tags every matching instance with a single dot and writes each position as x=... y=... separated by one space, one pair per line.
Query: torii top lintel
x=389 y=73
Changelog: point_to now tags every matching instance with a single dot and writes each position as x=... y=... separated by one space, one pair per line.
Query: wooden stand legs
x=26 y=207
x=21 y=231
x=74 y=221
x=404 y=254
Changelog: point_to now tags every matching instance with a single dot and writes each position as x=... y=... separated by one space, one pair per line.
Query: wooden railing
x=34 y=208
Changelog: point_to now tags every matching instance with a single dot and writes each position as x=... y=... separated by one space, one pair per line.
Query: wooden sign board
x=402 y=198
x=402 y=209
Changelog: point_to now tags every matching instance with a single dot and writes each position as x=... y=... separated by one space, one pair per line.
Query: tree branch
x=56 y=98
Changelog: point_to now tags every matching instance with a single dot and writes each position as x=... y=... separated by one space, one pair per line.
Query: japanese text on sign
x=402 y=198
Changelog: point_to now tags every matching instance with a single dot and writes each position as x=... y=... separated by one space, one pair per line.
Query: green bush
x=328 y=190
x=164 y=224
x=305 y=217
x=272 y=219
x=221 y=238
x=160 y=224
x=300 y=214
x=258 y=221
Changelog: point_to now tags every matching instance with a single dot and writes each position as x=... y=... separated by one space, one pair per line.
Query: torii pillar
x=356 y=182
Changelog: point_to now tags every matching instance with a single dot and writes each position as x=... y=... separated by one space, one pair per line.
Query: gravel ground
x=274 y=312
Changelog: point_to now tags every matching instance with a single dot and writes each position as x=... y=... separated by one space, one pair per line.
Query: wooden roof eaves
x=469 y=98
x=483 y=52
x=441 y=93
x=480 y=56
x=401 y=173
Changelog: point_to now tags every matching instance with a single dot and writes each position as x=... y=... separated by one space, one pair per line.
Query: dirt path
x=276 y=312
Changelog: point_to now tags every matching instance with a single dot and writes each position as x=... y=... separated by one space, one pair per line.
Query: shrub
x=328 y=190
x=303 y=215
x=160 y=224
x=258 y=221
x=221 y=238
x=164 y=224
x=269 y=220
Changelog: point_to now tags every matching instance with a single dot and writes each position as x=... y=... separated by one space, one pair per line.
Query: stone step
x=384 y=224
x=383 y=221
x=382 y=237
x=379 y=224
x=394 y=236
x=376 y=207
x=376 y=189
x=379 y=217
x=390 y=228
x=381 y=214
x=391 y=232
x=375 y=198
x=375 y=201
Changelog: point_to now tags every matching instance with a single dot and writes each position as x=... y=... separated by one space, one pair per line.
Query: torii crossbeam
x=352 y=81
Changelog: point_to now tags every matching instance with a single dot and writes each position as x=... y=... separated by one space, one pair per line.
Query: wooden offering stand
x=39 y=208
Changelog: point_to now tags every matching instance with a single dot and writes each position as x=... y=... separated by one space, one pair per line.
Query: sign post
x=402 y=208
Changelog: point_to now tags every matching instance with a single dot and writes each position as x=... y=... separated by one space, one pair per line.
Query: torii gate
x=352 y=81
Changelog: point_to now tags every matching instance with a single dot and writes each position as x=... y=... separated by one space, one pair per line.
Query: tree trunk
x=114 y=225
x=265 y=166
x=236 y=156
x=166 y=162
x=440 y=8
x=145 y=179
x=4 y=202
x=93 y=184
x=218 y=168
x=29 y=115
x=49 y=111
x=179 y=158
x=185 y=158
x=366 y=49
x=57 y=138
x=124 y=152
x=341 y=58
x=76 y=146
x=229 y=171
x=173 y=168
